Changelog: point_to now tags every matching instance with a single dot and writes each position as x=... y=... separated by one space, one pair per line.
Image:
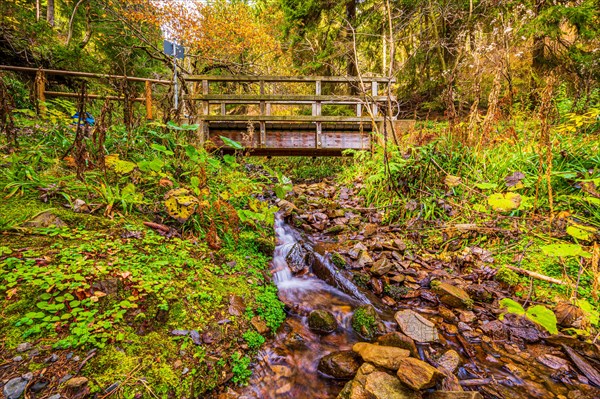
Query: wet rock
x=337 y=229
x=39 y=385
x=355 y=251
x=296 y=257
x=14 y=388
x=417 y=374
x=366 y=322
x=416 y=326
x=340 y=365
x=554 y=362
x=569 y=315
x=24 y=347
x=399 y=340
x=364 y=260
x=322 y=321
x=496 y=329
x=76 y=382
x=451 y=295
x=381 y=267
x=521 y=327
x=447 y=315
x=467 y=316
x=388 y=357
x=454 y=395
x=374 y=383
x=45 y=219
x=480 y=293
x=295 y=341
x=377 y=286
x=259 y=324
x=449 y=360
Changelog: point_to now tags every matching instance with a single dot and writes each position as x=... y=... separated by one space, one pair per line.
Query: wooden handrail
x=289 y=79
x=277 y=98
x=85 y=74
x=288 y=118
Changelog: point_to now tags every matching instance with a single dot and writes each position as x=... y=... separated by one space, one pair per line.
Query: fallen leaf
x=514 y=179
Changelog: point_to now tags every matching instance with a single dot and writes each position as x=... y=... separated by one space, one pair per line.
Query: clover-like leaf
x=581 y=232
x=510 y=306
x=564 y=250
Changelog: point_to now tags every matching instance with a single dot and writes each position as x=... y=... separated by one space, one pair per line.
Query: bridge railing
x=366 y=102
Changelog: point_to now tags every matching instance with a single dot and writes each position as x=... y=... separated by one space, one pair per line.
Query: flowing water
x=287 y=367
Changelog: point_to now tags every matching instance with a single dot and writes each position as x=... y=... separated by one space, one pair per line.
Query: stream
x=286 y=367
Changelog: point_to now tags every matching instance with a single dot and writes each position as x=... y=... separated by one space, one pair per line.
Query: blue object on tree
x=87 y=120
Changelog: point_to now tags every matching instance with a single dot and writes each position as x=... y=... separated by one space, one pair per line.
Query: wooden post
x=203 y=128
x=374 y=94
x=317 y=112
x=223 y=109
x=262 y=141
x=40 y=91
x=148 y=94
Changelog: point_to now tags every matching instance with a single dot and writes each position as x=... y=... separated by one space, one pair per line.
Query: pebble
x=17 y=358
x=65 y=378
x=24 y=347
x=69 y=355
x=55 y=396
x=195 y=336
x=28 y=376
x=39 y=385
x=76 y=382
x=76 y=358
x=185 y=371
x=180 y=333
x=53 y=358
x=14 y=388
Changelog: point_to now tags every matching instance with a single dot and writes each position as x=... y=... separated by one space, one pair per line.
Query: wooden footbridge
x=268 y=115
x=282 y=115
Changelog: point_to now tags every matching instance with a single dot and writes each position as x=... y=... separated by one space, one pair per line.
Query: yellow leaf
x=452 y=181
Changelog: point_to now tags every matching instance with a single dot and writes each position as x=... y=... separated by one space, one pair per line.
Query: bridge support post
x=40 y=91
x=262 y=141
x=317 y=112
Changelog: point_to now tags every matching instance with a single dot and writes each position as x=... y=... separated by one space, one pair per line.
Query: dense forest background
x=450 y=58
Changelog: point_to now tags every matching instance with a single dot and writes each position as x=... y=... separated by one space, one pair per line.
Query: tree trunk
x=38 y=7
x=352 y=69
x=50 y=13
x=538 y=56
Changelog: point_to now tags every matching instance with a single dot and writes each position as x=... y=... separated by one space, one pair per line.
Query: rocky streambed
x=370 y=317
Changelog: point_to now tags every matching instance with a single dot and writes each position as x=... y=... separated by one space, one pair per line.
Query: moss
x=365 y=321
x=507 y=276
x=338 y=260
x=396 y=292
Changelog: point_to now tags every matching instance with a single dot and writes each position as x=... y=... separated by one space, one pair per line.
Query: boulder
x=451 y=295
x=340 y=365
x=399 y=340
x=416 y=326
x=417 y=374
x=374 y=383
x=388 y=357
x=322 y=321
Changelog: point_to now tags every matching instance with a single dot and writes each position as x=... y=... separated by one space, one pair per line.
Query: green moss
x=365 y=321
x=507 y=276
x=338 y=260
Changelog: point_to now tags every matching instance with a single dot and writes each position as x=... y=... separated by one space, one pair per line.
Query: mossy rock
x=322 y=321
x=507 y=276
x=265 y=246
x=338 y=260
x=367 y=323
